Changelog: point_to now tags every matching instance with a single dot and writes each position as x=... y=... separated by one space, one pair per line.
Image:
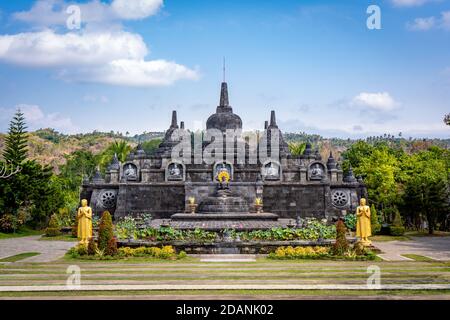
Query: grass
x=217 y=293
x=426 y=234
x=65 y=237
x=384 y=238
x=22 y=232
x=19 y=256
x=417 y=257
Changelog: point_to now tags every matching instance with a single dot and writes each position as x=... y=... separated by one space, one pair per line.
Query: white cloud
x=47 y=48
x=136 y=9
x=410 y=3
x=381 y=101
x=46 y=13
x=108 y=57
x=424 y=24
x=138 y=73
x=36 y=119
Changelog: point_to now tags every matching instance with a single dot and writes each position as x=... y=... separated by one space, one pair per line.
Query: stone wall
x=161 y=200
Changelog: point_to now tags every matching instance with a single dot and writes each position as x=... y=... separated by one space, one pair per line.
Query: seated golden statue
x=84 y=217
x=363 y=226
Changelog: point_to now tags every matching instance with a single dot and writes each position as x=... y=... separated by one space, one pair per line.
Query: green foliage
x=105 y=231
x=121 y=148
x=53 y=229
x=15 y=151
x=341 y=244
x=126 y=228
x=8 y=223
x=151 y=146
x=290 y=253
x=297 y=148
x=92 y=247
x=111 y=249
x=375 y=223
x=396 y=231
x=166 y=252
x=447 y=119
x=350 y=221
x=427 y=186
x=313 y=231
x=78 y=251
x=397 y=228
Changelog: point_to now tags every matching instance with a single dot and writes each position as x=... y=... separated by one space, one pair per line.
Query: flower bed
x=294 y=253
x=164 y=253
x=127 y=229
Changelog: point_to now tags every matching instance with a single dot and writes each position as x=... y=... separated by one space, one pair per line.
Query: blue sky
x=315 y=62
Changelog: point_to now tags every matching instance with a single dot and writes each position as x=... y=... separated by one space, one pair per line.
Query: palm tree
x=120 y=148
x=297 y=148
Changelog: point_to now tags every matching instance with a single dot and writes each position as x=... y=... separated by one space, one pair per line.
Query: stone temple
x=164 y=186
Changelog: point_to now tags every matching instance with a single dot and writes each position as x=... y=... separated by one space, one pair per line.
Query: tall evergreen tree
x=447 y=119
x=15 y=151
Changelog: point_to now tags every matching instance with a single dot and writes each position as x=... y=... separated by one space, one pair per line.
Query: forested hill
x=48 y=146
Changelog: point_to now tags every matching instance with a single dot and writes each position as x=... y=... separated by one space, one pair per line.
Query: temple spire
x=224 y=70
x=224 y=95
x=273 y=120
x=174 y=123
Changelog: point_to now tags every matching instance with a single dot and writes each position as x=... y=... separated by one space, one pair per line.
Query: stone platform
x=224 y=216
x=247 y=224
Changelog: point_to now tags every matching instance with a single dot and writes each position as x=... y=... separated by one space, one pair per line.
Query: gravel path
x=437 y=248
x=49 y=250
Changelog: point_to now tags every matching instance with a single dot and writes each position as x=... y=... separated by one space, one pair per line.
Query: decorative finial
x=273 y=120
x=224 y=95
x=266 y=125
x=174 y=120
x=224 y=69
x=182 y=125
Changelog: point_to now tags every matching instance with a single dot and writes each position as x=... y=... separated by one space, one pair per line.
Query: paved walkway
x=437 y=248
x=49 y=250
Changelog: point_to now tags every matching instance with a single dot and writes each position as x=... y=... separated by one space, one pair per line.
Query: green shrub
x=287 y=253
x=375 y=224
x=341 y=244
x=182 y=255
x=396 y=231
x=82 y=249
x=92 y=247
x=350 y=221
x=397 y=228
x=75 y=229
x=166 y=252
x=7 y=222
x=105 y=231
x=53 y=227
x=111 y=249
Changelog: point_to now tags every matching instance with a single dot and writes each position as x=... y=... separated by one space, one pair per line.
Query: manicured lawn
x=22 y=232
x=389 y=238
x=417 y=257
x=65 y=237
x=19 y=257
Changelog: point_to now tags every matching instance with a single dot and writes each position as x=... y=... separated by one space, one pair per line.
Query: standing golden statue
x=84 y=217
x=363 y=226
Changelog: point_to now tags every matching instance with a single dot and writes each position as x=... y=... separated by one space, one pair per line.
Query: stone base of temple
x=250 y=222
x=224 y=216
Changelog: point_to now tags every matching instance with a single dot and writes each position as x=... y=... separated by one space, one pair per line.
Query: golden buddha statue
x=363 y=226
x=84 y=217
